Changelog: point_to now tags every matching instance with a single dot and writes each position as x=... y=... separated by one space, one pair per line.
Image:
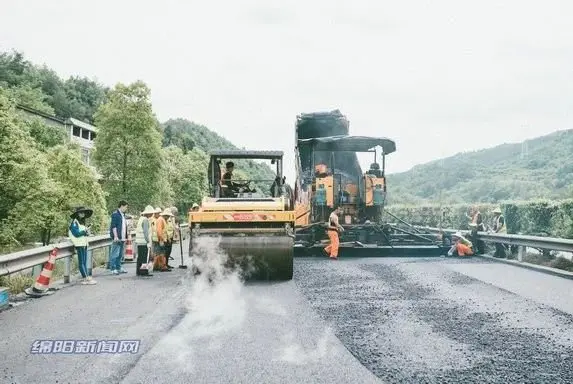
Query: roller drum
x=260 y=257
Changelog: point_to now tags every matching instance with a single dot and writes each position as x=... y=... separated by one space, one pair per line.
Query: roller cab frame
x=329 y=176
x=254 y=222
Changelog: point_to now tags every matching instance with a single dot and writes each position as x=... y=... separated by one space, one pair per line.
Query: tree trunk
x=124 y=173
x=44 y=237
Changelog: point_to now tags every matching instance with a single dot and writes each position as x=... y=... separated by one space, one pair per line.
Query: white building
x=84 y=134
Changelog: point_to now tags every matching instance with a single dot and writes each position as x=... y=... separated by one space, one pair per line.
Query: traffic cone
x=128 y=250
x=42 y=285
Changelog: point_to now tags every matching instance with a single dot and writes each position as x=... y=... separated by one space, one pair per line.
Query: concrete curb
x=534 y=267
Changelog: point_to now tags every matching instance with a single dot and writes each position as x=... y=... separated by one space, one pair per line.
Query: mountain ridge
x=540 y=167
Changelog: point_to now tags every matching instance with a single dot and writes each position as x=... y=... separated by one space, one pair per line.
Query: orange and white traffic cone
x=42 y=285
x=128 y=250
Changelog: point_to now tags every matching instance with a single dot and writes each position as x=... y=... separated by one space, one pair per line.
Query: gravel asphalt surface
x=347 y=321
x=445 y=320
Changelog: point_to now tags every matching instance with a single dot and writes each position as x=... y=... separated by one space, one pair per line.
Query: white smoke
x=297 y=354
x=214 y=301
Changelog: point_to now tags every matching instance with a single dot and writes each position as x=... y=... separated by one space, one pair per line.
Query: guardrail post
x=67 y=269
x=90 y=261
x=521 y=252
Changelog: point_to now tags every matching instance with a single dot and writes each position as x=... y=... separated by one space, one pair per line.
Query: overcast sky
x=438 y=77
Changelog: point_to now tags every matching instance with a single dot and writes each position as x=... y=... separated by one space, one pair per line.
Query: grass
x=552 y=262
x=18 y=282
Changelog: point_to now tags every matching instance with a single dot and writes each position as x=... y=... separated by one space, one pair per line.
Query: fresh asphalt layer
x=346 y=321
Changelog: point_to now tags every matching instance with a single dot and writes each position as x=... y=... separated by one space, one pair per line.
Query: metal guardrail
x=30 y=258
x=522 y=241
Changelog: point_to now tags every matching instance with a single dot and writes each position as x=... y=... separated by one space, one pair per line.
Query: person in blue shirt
x=78 y=234
x=118 y=233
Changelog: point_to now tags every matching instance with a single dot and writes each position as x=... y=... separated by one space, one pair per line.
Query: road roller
x=251 y=221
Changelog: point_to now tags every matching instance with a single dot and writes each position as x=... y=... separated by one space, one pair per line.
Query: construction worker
x=460 y=246
x=154 y=237
x=176 y=234
x=161 y=235
x=499 y=227
x=333 y=228
x=169 y=235
x=78 y=234
x=476 y=225
x=143 y=240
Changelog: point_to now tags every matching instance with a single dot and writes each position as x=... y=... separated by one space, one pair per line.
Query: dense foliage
x=41 y=88
x=39 y=184
x=138 y=159
x=128 y=147
x=539 y=217
x=187 y=135
x=538 y=168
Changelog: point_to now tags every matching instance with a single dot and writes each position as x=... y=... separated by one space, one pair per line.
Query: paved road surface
x=405 y=320
x=446 y=320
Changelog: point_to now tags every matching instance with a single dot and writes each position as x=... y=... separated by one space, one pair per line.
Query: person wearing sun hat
x=169 y=235
x=460 y=246
x=78 y=234
x=161 y=236
x=499 y=227
x=143 y=241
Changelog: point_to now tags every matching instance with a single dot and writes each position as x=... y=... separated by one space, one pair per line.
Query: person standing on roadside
x=78 y=234
x=118 y=232
x=476 y=225
x=161 y=233
x=143 y=240
x=169 y=235
x=499 y=227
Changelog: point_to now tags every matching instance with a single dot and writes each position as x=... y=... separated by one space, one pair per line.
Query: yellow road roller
x=251 y=221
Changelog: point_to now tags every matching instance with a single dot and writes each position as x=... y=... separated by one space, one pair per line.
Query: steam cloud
x=214 y=301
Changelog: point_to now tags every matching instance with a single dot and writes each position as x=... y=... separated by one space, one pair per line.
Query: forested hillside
x=537 y=168
x=187 y=134
x=42 y=175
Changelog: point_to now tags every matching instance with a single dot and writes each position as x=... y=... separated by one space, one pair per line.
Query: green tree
x=128 y=146
x=187 y=176
x=78 y=182
x=29 y=201
x=44 y=135
x=31 y=97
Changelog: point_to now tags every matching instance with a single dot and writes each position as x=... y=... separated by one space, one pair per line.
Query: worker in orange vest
x=161 y=233
x=460 y=246
x=333 y=228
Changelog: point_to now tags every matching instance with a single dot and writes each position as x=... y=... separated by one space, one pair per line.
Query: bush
x=541 y=218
